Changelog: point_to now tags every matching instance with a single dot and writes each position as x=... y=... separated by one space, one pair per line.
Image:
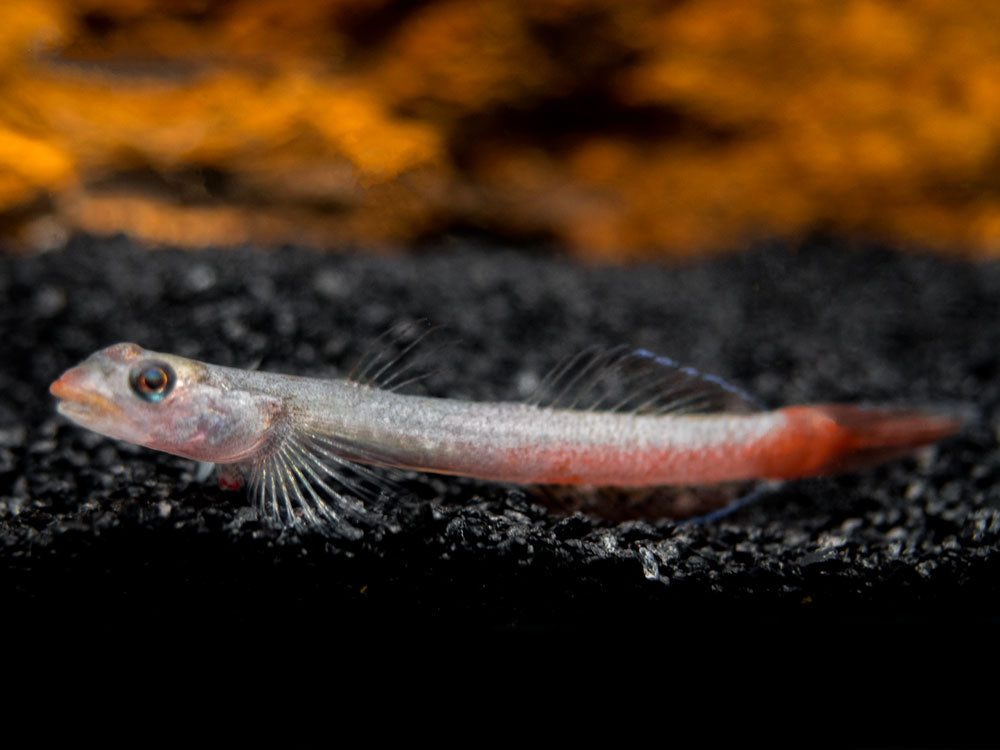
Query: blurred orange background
x=617 y=129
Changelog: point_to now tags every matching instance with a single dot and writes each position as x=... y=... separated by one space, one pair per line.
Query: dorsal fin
x=398 y=357
x=636 y=381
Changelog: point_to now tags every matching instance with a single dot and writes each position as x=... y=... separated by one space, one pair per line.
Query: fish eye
x=152 y=381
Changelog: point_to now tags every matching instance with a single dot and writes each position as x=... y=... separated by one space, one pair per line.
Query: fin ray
x=294 y=477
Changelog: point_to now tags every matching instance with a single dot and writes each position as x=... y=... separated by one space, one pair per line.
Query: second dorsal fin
x=624 y=380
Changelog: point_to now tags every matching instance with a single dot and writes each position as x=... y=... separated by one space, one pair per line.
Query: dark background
x=874 y=592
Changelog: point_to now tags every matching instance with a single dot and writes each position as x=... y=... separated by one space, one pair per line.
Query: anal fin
x=678 y=502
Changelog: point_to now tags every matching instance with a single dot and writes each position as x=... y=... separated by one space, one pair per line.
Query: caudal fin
x=869 y=436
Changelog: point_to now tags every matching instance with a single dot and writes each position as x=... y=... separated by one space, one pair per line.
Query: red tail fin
x=850 y=437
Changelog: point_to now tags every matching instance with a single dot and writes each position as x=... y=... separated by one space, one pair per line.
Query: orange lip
x=71 y=387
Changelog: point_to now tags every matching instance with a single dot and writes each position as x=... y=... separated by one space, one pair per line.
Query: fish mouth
x=78 y=401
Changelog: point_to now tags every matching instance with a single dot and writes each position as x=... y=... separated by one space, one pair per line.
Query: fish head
x=165 y=402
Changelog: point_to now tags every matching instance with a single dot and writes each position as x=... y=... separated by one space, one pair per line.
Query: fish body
x=292 y=438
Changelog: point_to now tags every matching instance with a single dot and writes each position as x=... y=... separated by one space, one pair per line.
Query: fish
x=308 y=450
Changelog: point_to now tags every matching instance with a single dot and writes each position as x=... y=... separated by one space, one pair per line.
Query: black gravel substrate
x=119 y=537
